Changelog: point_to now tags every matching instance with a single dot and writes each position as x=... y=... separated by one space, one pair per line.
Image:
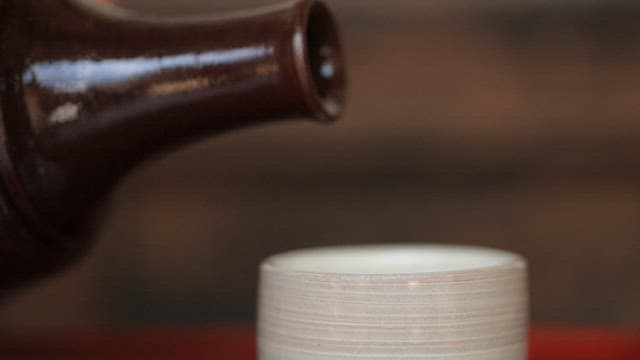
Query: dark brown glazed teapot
x=88 y=91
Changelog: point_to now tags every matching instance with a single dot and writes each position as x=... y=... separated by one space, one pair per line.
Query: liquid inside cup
x=390 y=260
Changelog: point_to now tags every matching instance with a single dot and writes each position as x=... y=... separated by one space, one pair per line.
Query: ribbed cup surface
x=348 y=303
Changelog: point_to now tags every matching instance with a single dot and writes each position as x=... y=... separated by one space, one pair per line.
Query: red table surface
x=547 y=343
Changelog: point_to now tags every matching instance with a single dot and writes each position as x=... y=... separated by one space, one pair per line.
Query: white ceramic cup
x=393 y=302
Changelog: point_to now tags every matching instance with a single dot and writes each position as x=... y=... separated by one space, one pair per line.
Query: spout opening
x=324 y=63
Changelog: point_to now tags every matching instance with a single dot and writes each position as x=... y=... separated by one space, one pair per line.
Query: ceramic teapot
x=88 y=91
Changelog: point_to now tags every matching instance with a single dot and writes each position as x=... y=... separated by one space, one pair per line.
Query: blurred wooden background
x=513 y=124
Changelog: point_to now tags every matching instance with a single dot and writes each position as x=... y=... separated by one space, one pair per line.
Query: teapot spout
x=90 y=91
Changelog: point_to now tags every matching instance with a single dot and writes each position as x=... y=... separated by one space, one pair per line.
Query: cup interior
x=391 y=259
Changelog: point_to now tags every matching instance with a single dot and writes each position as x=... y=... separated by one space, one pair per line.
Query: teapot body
x=89 y=92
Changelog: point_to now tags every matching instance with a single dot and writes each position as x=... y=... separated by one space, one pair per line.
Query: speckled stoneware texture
x=393 y=302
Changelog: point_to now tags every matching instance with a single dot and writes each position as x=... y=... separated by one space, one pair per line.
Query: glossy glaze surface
x=88 y=94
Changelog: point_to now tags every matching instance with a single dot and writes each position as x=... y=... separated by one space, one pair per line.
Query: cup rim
x=494 y=259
